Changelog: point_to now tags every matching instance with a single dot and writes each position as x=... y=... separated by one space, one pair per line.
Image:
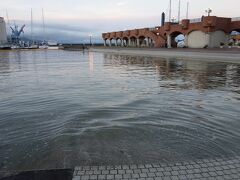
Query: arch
x=174 y=38
x=236 y=29
x=142 y=41
x=235 y=36
x=118 y=41
x=217 y=37
x=197 y=39
x=125 y=41
x=133 y=41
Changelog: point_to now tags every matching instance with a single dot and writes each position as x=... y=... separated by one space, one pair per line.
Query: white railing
x=197 y=20
x=152 y=29
x=236 y=19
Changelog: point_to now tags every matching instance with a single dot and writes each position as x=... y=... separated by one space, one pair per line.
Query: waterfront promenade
x=216 y=54
x=218 y=168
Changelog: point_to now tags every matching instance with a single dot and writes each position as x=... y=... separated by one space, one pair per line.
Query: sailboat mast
x=170 y=10
x=179 y=11
x=31 y=26
x=8 y=23
x=187 y=10
x=44 y=31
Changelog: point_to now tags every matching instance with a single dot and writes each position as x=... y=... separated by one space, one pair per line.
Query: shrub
x=230 y=44
x=222 y=44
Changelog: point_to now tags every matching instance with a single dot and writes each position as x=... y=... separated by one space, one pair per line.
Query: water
x=61 y=109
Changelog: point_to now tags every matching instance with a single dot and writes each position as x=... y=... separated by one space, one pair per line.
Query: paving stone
x=175 y=173
x=101 y=176
x=93 y=177
x=105 y=172
x=143 y=175
x=152 y=170
x=97 y=172
x=129 y=171
x=118 y=176
x=85 y=177
x=113 y=171
x=76 y=178
x=127 y=176
x=175 y=168
x=156 y=165
x=134 y=167
x=140 y=166
x=151 y=174
x=135 y=175
x=102 y=167
x=110 y=176
x=125 y=167
x=137 y=171
x=145 y=170
x=174 y=177
x=159 y=174
x=121 y=171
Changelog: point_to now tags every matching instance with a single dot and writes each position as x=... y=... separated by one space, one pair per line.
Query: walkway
x=220 y=168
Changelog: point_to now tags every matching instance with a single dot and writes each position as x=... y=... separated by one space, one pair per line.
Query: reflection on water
x=62 y=109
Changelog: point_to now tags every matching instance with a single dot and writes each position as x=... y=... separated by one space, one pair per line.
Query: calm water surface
x=60 y=109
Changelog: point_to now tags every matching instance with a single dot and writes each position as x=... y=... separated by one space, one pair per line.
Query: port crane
x=16 y=33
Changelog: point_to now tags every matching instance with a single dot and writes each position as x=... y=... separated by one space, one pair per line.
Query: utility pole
x=187 y=10
x=179 y=11
x=170 y=10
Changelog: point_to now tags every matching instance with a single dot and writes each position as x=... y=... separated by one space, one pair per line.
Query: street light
x=173 y=19
x=208 y=11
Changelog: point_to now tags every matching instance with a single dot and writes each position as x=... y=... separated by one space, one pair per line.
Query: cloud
x=122 y=3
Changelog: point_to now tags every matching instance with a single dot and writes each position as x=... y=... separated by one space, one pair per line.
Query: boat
x=53 y=45
x=5 y=47
x=33 y=46
x=44 y=46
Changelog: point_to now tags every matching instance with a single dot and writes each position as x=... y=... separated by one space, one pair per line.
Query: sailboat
x=43 y=44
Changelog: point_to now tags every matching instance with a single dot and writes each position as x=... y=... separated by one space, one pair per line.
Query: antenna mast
x=170 y=10
x=187 y=10
x=179 y=11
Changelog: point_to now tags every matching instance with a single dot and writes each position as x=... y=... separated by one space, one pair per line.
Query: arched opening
x=142 y=41
x=110 y=41
x=197 y=39
x=133 y=41
x=234 y=38
x=118 y=42
x=177 y=40
x=151 y=42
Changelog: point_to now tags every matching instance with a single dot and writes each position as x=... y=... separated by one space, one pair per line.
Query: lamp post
x=173 y=19
x=90 y=39
x=208 y=11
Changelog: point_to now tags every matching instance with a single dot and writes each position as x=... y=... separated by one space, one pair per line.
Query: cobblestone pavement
x=220 y=168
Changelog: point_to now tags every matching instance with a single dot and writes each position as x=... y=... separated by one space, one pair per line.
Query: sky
x=74 y=20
